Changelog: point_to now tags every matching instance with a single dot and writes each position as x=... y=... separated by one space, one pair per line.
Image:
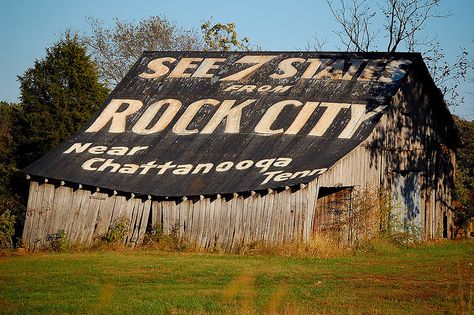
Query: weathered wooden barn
x=226 y=149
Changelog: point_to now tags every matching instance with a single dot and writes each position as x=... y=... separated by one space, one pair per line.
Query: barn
x=230 y=148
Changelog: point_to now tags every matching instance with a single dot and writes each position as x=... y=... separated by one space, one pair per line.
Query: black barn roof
x=205 y=123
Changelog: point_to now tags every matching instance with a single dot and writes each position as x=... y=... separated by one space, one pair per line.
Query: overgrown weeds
x=58 y=242
x=7 y=230
x=172 y=241
x=118 y=232
x=372 y=218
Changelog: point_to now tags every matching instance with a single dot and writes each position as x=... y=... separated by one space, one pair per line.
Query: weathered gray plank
x=210 y=242
x=92 y=215
x=30 y=213
x=80 y=223
x=146 y=208
x=35 y=236
x=218 y=221
x=105 y=214
x=62 y=201
x=156 y=215
x=47 y=209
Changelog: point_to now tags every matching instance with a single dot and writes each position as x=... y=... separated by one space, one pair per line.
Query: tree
x=465 y=173
x=448 y=76
x=355 y=20
x=59 y=94
x=12 y=210
x=115 y=49
x=403 y=23
x=223 y=37
x=7 y=158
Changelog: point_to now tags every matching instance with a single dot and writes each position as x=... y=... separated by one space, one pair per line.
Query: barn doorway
x=333 y=210
x=445 y=225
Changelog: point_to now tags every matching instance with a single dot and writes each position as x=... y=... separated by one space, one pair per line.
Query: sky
x=28 y=27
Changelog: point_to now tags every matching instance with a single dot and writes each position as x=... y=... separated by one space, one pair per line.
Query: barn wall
x=417 y=148
x=273 y=218
x=411 y=153
x=82 y=215
x=361 y=168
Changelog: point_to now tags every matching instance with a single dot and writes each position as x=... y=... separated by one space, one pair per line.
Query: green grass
x=434 y=278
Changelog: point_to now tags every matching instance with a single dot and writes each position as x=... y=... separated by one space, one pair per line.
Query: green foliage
x=59 y=94
x=6 y=141
x=118 y=232
x=465 y=156
x=7 y=229
x=465 y=173
x=10 y=199
x=223 y=37
x=172 y=241
x=115 y=49
x=13 y=211
x=58 y=241
x=7 y=157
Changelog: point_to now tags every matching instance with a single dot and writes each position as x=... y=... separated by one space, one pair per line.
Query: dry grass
x=321 y=246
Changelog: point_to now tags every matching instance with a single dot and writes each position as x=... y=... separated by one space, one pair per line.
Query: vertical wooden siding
x=274 y=218
x=82 y=215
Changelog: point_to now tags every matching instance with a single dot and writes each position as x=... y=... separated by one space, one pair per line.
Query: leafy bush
x=13 y=203
x=7 y=229
x=58 y=241
x=371 y=216
x=172 y=241
x=464 y=180
x=118 y=232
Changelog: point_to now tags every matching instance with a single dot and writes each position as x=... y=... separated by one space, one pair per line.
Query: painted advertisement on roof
x=203 y=123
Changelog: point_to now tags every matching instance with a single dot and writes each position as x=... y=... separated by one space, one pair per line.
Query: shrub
x=7 y=229
x=118 y=232
x=371 y=216
x=14 y=205
x=58 y=241
x=169 y=242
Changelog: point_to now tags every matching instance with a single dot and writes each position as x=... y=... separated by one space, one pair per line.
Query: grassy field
x=434 y=278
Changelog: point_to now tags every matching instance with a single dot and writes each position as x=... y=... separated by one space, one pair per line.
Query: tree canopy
x=115 y=49
x=223 y=37
x=59 y=93
x=7 y=158
x=465 y=172
x=398 y=25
